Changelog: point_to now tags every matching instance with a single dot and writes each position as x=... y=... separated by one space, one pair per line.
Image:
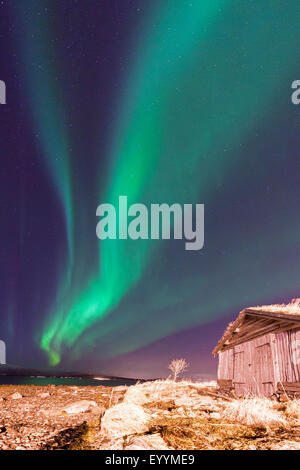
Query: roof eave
x=293 y=318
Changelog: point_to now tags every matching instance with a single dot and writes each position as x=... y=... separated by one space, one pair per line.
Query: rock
x=16 y=396
x=112 y=444
x=287 y=445
x=124 y=419
x=147 y=442
x=215 y=415
x=44 y=395
x=80 y=406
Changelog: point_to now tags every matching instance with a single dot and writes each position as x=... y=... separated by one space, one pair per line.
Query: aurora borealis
x=174 y=101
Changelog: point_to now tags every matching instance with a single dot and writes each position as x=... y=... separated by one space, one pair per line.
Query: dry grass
x=166 y=405
x=107 y=400
x=79 y=437
x=202 y=434
x=293 y=409
x=164 y=390
x=150 y=391
x=291 y=308
x=137 y=394
x=86 y=439
x=212 y=384
x=257 y=412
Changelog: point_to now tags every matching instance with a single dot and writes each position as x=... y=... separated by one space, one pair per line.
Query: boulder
x=16 y=396
x=287 y=445
x=80 y=406
x=112 y=444
x=124 y=419
x=146 y=442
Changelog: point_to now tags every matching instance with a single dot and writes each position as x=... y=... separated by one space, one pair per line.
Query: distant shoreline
x=19 y=380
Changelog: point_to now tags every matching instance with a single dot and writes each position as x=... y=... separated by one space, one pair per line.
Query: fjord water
x=23 y=380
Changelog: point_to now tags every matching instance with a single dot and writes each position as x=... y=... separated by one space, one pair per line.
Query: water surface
x=17 y=380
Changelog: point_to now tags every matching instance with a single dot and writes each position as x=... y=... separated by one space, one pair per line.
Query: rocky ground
x=42 y=417
x=152 y=415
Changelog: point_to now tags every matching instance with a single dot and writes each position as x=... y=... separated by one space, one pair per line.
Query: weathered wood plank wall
x=258 y=365
x=225 y=366
x=250 y=366
x=288 y=356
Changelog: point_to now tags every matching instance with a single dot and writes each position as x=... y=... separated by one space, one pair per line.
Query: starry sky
x=162 y=101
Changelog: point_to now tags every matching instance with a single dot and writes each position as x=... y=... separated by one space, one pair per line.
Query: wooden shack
x=259 y=352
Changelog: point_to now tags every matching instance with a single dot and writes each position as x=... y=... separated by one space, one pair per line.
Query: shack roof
x=258 y=321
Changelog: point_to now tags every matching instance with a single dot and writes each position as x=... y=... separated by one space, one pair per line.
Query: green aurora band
x=202 y=80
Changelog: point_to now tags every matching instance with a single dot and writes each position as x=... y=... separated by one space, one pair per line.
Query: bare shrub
x=177 y=367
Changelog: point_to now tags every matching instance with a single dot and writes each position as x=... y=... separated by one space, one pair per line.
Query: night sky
x=168 y=101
